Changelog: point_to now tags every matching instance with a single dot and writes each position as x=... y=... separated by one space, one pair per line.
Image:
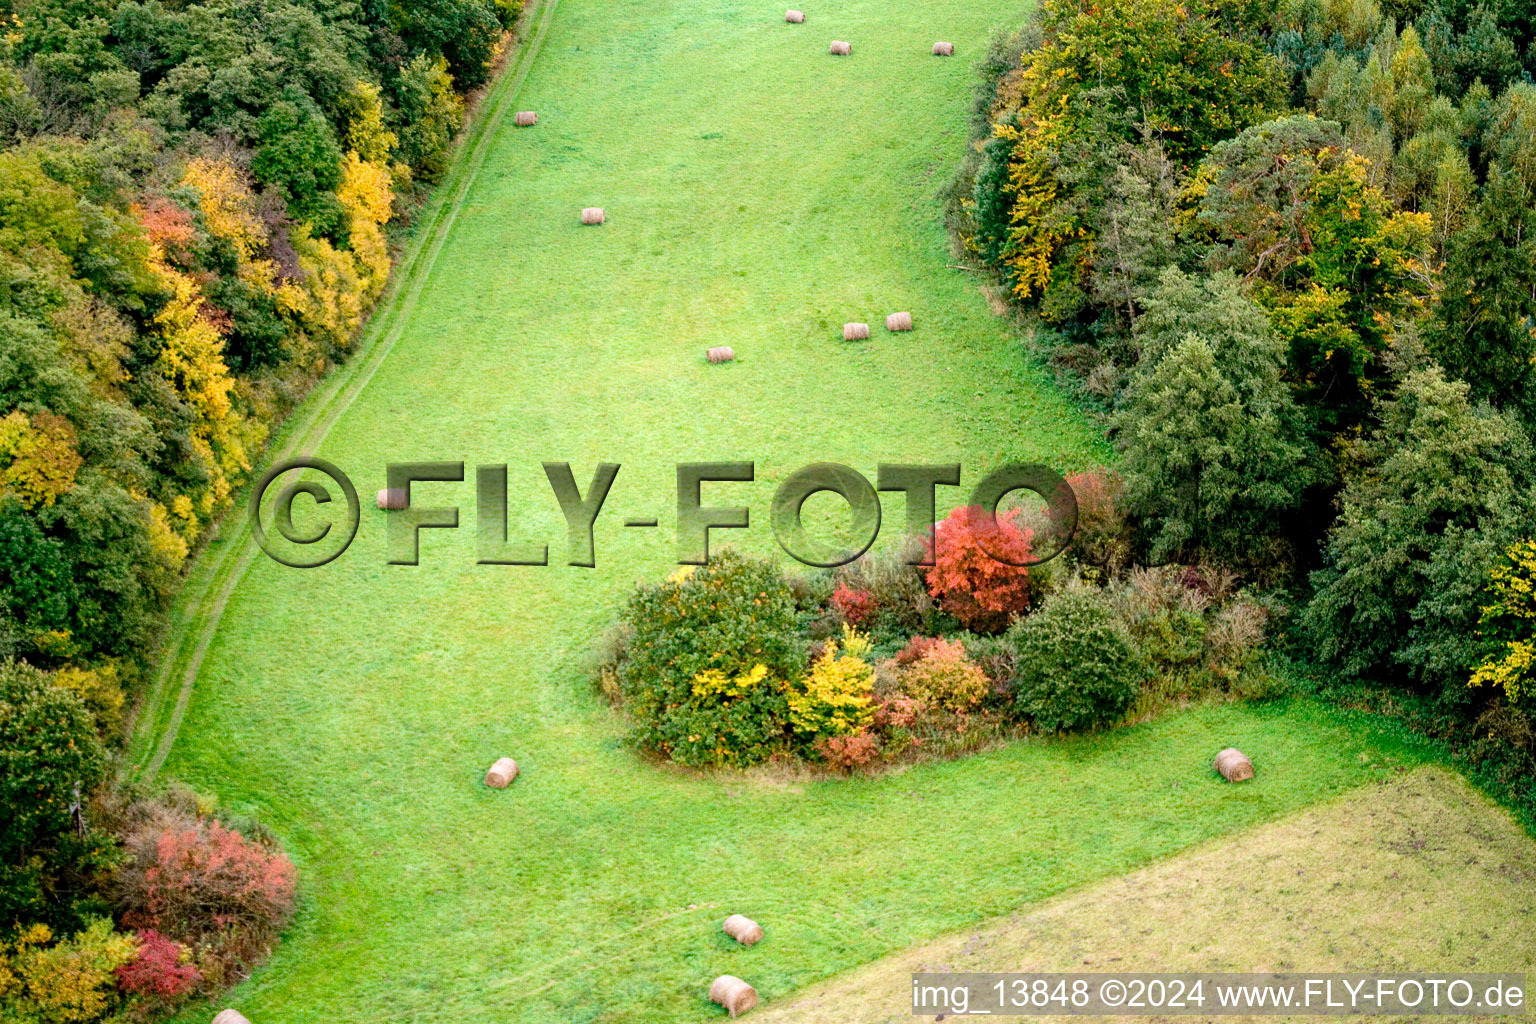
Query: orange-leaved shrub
x=916 y=648
x=944 y=677
x=985 y=594
x=849 y=752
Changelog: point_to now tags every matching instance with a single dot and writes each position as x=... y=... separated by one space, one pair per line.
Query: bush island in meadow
x=707 y=660
x=1077 y=665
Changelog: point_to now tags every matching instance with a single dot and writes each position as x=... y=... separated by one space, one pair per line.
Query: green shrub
x=1233 y=637
x=433 y=112
x=1165 y=617
x=996 y=658
x=708 y=660
x=100 y=689
x=1077 y=665
x=1191 y=625
x=300 y=158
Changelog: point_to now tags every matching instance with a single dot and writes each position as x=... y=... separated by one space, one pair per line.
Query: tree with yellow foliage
x=38 y=460
x=366 y=196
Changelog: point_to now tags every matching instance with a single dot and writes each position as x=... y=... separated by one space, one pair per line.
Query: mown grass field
x=759 y=193
x=1405 y=873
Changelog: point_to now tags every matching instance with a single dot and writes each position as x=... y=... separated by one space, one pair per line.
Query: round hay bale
x=943 y=49
x=592 y=215
x=392 y=498
x=501 y=774
x=794 y=17
x=1234 y=765
x=720 y=354
x=230 y=1017
x=743 y=929
x=526 y=118
x=841 y=49
x=733 y=994
x=899 y=322
x=855 y=332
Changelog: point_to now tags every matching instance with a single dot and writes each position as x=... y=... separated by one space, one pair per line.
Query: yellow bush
x=365 y=132
x=99 y=689
x=366 y=195
x=836 y=698
x=69 y=982
x=192 y=360
x=228 y=205
x=1511 y=621
x=330 y=305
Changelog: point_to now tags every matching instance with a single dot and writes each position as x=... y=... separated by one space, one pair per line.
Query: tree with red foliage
x=168 y=226
x=985 y=594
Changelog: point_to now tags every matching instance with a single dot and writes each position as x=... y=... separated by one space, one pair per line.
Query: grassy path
x=759 y=193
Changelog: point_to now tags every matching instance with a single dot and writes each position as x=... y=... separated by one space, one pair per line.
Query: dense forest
x=194 y=204
x=197 y=208
x=1290 y=250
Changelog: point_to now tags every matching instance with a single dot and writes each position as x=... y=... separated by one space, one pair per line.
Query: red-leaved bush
x=160 y=970
x=897 y=712
x=208 y=886
x=848 y=752
x=853 y=604
x=916 y=648
x=168 y=226
x=985 y=594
